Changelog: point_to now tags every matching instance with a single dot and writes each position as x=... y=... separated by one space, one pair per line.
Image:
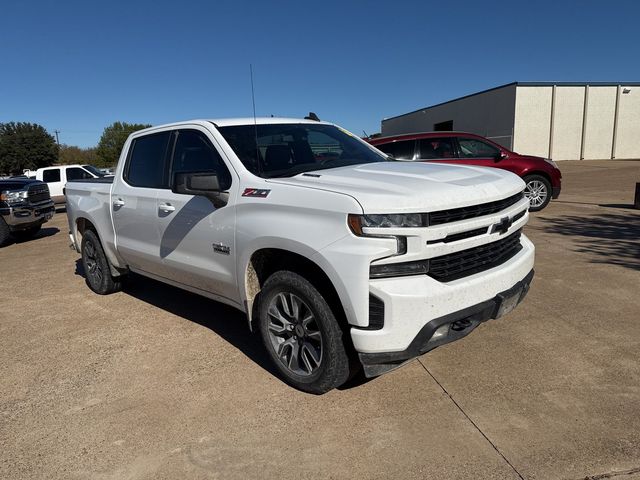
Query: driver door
x=197 y=239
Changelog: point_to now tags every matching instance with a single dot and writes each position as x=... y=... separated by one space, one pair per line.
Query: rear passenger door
x=197 y=239
x=134 y=201
x=52 y=177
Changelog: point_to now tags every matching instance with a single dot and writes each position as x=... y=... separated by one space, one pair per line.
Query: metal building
x=562 y=121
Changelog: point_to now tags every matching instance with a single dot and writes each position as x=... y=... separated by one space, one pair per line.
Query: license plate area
x=507 y=301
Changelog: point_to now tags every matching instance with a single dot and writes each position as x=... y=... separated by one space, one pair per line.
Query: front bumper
x=555 y=192
x=24 y=216
x=447 y=329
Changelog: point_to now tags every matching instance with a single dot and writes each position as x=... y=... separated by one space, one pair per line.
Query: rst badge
x=255 y=192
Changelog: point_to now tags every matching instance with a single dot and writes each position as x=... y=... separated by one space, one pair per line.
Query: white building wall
x=489 y=114
x=532 y=125
x=568 y=113
x=628 y=131
x=601 y=109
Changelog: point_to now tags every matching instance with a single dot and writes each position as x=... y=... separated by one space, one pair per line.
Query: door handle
x=118 y=203
x=166 y=207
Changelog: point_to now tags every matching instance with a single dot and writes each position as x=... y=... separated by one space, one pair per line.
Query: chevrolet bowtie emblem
x=502 y=226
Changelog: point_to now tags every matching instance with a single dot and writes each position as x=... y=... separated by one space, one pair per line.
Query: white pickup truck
x=341 y=257
x=56 y=177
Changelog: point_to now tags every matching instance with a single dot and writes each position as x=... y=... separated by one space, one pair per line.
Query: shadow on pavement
x=225 y=321
x=609 y=238
x=42 y=233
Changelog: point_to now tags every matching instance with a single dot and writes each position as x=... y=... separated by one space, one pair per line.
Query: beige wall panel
x=601 y=108
x=567 y=123
x=628 y=136
x=532 y=120
x=489 y=114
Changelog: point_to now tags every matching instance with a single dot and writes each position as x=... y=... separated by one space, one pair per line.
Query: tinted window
x=76 y=173
x=432 y=148
x=194 y=153
x=146 y=166
x=50 y=176
x=402 y=150
x=472 y=148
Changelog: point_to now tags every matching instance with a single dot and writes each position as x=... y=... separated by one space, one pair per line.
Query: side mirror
x=501 y=155
x=199 y=183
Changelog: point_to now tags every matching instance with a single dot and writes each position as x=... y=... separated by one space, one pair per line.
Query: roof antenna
x=255 y=123
x=312 y=116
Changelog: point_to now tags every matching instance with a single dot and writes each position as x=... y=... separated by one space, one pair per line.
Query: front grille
x=459 y=236
x=478 y=259
x=463 y=213
x=38 y=193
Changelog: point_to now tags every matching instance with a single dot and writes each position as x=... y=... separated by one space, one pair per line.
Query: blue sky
x=79 y=66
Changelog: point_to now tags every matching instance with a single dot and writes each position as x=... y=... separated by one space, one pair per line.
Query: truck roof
x=231 y=122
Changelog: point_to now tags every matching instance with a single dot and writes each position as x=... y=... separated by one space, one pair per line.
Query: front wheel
x=301 y=334
x=96 y=266
x=538 y=191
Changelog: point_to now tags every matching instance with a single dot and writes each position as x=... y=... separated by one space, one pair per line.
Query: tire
x=301 y=334
x=538 y=191
x=5 y=233
x=96 y=266
x=27 y=232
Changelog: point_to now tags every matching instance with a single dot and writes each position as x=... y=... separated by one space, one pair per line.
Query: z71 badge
x=255 y=192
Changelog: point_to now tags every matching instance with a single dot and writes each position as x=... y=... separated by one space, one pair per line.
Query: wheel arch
x=265 y=261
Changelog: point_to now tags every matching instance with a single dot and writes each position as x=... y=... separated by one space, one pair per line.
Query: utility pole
x=57 y=139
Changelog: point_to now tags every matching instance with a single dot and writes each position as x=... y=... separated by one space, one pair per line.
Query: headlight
x=403 y=220
x=14 y=197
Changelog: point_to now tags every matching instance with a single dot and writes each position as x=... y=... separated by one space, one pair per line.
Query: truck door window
x=75 y=173
x=146 y=165
x=402 y=150
x=195 y=153
x=51 y=176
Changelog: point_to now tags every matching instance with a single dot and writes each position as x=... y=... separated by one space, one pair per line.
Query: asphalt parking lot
x=154 y=382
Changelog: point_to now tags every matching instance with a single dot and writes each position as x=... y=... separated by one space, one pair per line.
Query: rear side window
x=472 y=148
x=402 y=150
x=76 y=173
x=50 y=176
x=432 y=148
x=195 y=153
x=146 y=167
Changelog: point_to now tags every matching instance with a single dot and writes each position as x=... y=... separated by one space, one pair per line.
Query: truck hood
x=402 y=187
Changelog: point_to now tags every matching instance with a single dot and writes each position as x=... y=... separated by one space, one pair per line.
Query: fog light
x=440 y=333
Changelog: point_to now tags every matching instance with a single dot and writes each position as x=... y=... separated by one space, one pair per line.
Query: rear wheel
x=96 y=266
x=538 y=191
x=301 y=334
x=5 y=234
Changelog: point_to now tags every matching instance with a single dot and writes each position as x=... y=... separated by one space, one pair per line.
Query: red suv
x=541 y=175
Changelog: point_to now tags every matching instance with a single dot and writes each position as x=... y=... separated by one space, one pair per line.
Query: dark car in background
x=25 y=204
x=542 y=176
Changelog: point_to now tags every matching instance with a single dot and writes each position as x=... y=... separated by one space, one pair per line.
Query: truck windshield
x=285 y=150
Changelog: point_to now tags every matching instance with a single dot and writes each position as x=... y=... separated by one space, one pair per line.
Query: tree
x=25 y=145
x=70 y=154
x=112 y=141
